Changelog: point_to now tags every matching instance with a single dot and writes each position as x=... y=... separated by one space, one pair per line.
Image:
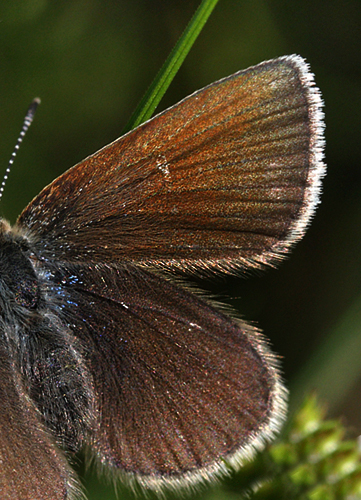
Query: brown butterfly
x=100 y=345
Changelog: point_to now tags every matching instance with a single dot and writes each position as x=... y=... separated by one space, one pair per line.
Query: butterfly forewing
x=219 y=180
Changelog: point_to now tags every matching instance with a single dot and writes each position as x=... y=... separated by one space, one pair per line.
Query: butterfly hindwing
x=32 y=466
x=171 y=374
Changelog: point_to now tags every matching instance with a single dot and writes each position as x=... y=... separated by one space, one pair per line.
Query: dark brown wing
x=31 y=466
x=180 y=386
x=227 y=177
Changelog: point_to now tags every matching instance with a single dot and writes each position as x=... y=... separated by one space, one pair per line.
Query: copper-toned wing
x=180 y=386
x=31 y=466
x=227 y=177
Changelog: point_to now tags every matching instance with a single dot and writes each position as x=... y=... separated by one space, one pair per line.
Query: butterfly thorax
x=19 y=288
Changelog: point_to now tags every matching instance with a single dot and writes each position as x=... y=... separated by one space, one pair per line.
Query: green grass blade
x=157 y=89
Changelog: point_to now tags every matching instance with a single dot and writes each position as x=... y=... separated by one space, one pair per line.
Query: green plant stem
x=157 y=89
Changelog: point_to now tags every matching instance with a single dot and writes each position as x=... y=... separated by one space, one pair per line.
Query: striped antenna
x=27 y=122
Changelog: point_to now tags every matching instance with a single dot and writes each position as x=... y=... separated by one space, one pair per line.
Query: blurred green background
x=90 y=61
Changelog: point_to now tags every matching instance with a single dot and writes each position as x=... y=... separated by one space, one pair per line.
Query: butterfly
x=101 y=343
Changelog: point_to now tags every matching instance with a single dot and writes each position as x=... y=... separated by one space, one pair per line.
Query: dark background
x=90 y=61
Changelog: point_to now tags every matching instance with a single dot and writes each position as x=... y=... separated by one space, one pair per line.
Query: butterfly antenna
x=27 y=122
